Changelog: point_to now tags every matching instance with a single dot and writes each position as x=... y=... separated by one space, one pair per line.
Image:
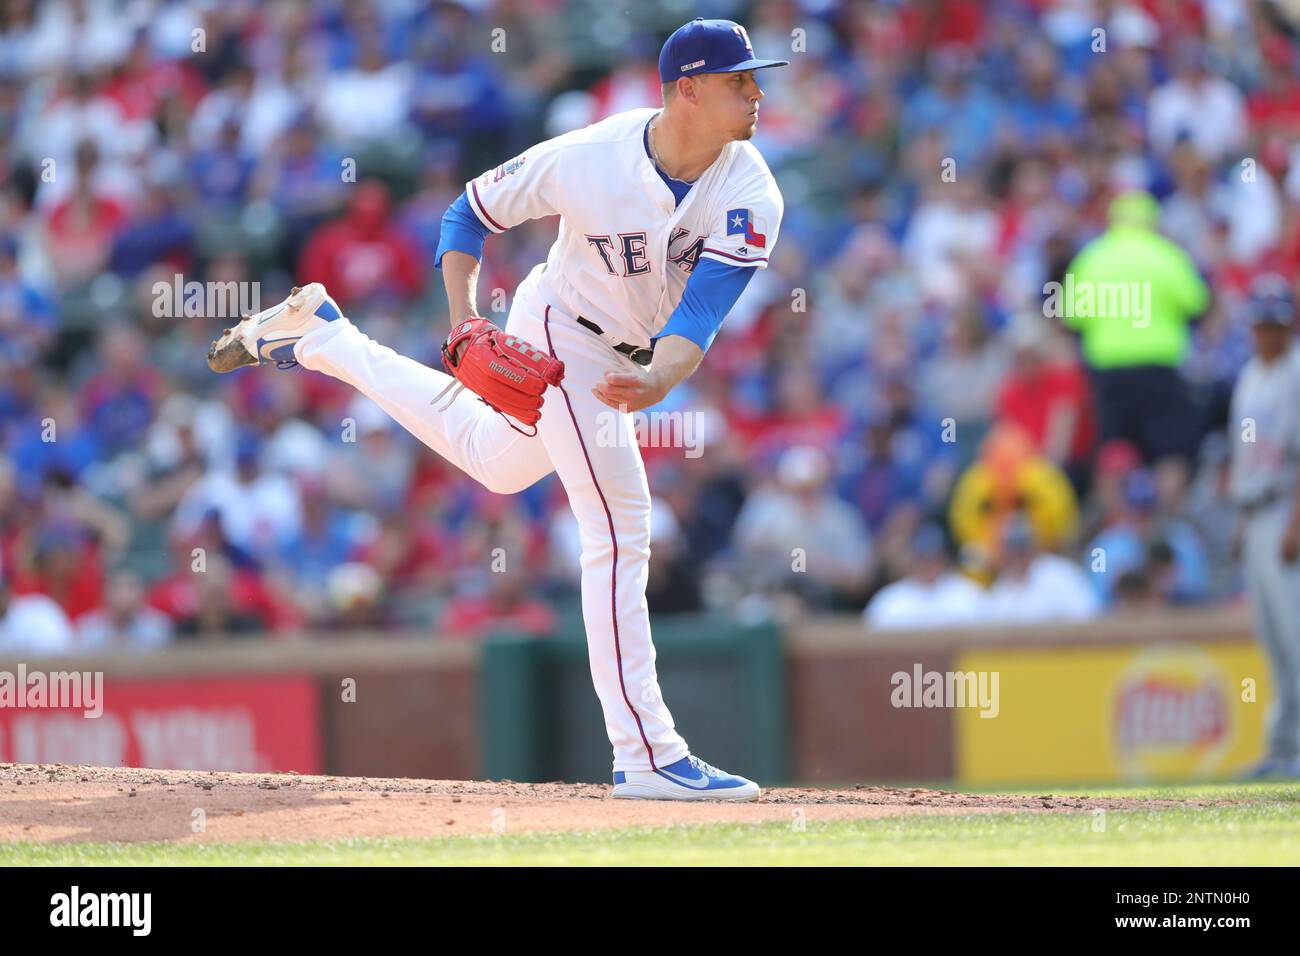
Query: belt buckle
x=640 y=355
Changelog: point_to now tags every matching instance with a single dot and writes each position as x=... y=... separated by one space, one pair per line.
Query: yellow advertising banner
x=1114 y=714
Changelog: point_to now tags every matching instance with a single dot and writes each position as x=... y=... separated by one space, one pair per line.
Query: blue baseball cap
x=709 y=46
x=1271 y=301
x=1140 y=490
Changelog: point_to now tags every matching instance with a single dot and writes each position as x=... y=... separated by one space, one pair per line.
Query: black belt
x=638 y=354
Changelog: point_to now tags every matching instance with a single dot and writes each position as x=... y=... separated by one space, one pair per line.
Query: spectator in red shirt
x=364 y=256
x=505 y=608
x=1049 y=399
x=143 y=81
x=1275 y=103
x=408 y=551
x=801 y=416
x=65 y=566
x=937 y=23
x=80 y=230
x=218 y=589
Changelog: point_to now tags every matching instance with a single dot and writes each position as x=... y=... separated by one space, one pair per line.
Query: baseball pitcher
x=664 y=216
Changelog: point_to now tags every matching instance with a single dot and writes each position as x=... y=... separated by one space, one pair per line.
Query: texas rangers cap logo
x=744 y=37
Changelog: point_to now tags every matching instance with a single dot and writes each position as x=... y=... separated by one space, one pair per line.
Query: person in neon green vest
x=1131 y=295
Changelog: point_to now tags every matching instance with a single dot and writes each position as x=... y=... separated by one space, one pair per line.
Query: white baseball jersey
x=624 y=252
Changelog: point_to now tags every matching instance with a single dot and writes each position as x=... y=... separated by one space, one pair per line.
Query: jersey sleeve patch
x=744 y=236
x=742 y=222
x=520 y=189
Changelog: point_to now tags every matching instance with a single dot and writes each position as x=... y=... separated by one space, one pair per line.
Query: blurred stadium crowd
x=886 y=400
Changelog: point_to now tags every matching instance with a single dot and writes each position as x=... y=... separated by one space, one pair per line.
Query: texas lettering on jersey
x=685 y=253
x=624 y=254
x=625 y=248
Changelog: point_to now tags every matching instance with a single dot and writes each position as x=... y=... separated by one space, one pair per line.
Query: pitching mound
x=57 y=803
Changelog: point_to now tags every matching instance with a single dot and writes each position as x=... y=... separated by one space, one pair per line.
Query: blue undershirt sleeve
x=710 y=292
x=461 y=230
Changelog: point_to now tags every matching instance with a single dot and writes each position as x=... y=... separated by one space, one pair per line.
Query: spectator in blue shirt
x=965 y=114
x=1140 y=540
x=223 y=173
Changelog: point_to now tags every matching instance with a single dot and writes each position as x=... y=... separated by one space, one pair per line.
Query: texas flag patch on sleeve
x=742 y=222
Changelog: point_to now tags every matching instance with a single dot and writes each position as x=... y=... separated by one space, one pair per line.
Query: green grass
x=1241 y=791
x=1265 y=830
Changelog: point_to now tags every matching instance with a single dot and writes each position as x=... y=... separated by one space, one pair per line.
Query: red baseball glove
x=507 y=373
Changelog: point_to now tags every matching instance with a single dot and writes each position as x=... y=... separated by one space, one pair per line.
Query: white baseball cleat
x=269 y=336
x=688 y=779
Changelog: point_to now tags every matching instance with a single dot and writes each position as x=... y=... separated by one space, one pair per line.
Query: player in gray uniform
x=1265 y=487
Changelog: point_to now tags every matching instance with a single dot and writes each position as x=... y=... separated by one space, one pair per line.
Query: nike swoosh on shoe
x=701 y=783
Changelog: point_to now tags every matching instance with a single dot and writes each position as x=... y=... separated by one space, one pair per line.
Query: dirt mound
x=59 y=803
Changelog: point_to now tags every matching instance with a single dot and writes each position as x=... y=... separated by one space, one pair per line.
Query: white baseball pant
x=605 y=481
x=1273 y=589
